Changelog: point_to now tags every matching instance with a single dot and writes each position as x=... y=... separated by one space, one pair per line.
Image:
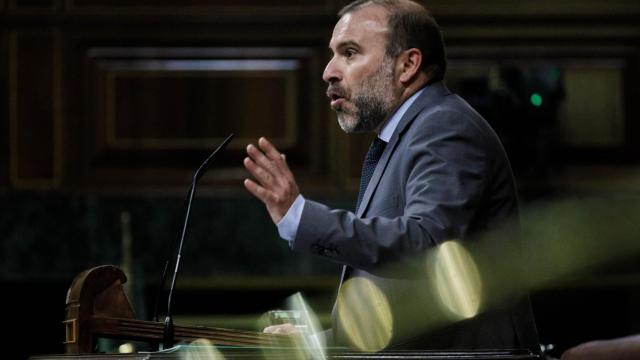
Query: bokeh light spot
x=456 y=280
x=536 y=99
x=126 y=348
x=364 y=315
x=201 y=349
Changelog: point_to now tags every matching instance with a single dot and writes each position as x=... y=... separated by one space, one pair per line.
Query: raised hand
x=274 y=183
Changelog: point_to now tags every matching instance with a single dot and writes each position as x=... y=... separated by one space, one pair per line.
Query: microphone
x=168 y=333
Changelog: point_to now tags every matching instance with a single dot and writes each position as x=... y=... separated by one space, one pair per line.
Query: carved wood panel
x=158 y=110
x=4 y=109
x=34 y=109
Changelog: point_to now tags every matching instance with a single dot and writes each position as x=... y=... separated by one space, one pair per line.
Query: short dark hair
x=411 y=25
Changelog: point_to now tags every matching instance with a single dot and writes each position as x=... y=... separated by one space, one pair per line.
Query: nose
x=331 y=72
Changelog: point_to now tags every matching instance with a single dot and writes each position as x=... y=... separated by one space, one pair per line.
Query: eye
x=350 y=53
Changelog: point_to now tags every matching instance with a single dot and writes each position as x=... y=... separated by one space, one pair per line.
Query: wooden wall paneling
x=73 y=125
x=35 y=99
x=184 y=108
x=316 y=114
x=255 y=10
x=470 y=10
x=487 y=25
x=592 y=110
x=4 y=108
x=500 y=9
x=192 y=3
x=38 y=5
x=158 y=110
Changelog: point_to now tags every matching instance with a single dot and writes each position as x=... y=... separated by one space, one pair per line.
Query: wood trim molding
x=17 y=180
x=205 y=68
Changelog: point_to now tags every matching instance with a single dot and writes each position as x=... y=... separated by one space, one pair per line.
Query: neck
x=408 y=89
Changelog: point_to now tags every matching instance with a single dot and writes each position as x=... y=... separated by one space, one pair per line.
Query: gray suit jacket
x=443 y=175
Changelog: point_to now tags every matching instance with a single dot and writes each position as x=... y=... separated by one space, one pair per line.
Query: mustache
x=337 y=90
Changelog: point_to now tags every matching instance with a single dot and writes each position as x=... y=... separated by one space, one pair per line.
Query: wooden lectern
x=96 y=306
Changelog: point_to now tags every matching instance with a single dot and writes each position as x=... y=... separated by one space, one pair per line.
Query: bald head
x=389 y=4
x=410 y=25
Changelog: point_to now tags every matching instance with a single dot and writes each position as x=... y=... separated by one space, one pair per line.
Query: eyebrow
x=344 y=44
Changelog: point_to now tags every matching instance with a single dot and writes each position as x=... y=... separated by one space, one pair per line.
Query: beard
x=373 y=101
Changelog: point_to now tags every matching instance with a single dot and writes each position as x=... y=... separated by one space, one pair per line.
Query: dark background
x=107 y=108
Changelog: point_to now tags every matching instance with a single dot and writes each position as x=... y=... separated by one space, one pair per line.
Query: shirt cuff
x=288 y=225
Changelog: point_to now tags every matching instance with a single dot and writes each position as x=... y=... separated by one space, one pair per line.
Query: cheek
x=356 y=73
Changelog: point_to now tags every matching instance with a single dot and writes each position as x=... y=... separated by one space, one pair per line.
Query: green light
x=536 y=99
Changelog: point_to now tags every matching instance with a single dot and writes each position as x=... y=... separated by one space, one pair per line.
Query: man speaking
x=435 y=172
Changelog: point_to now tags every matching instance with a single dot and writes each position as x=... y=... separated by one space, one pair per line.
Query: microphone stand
x=168 y=332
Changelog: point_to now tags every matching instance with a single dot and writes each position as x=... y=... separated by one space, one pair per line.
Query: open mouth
x=336 y=98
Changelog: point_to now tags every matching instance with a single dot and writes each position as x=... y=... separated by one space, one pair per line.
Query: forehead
x=362 y=26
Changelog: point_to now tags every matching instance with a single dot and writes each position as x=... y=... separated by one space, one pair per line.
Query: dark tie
x=370 y=161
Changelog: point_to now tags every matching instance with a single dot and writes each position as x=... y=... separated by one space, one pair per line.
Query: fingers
x=266 y=196
x=264 y=161
x=269 y=165
x=257 y=190
x=269 y=149
x=285 y=329
x=271 y=329
x=260 y=173
x=272 y=183
x=279 y=158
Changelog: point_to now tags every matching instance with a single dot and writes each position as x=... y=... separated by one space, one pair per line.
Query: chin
x=348 y=123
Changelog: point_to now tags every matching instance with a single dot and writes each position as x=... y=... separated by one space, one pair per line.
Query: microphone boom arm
x=168 y=333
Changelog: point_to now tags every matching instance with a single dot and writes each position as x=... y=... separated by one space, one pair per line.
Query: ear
x=409 y=62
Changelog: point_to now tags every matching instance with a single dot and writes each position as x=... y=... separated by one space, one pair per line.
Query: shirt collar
x=391 y=124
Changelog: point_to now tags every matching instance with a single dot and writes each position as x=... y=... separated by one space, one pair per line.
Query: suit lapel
x=430 y=96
